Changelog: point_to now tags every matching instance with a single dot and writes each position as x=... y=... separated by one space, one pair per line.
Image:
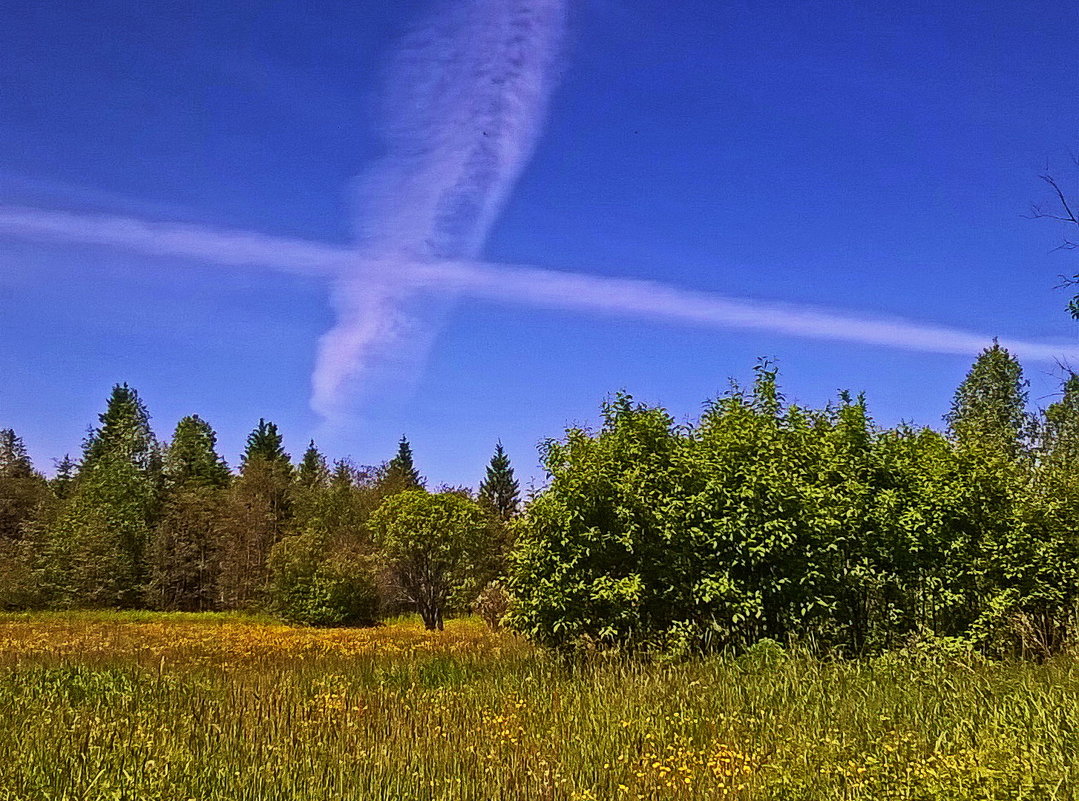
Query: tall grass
x=99 y=707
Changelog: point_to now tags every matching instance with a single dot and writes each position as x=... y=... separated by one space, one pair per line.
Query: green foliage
x=989 y=409
x=95 y=554
x=313 y=471
x=313 y=586
x=499 y=489
x=763 y=521
x=400 y=473
x=22 y=489
x=183 y=557
x=771 y=521
x=493 y=604
x=192 y=459
x=432 y=544
x=64 y=480
x=257 y=513
x=264 y=443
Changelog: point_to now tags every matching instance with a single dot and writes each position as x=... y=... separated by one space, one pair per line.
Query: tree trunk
x=430 y=616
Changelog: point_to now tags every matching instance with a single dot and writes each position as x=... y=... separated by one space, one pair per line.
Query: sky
x=472 y=220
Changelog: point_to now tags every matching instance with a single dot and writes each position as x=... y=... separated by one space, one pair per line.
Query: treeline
x=138 y=523
x=762 y=520
x=768 y=520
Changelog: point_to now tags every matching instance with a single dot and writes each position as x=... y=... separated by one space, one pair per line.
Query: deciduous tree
x=431 y=543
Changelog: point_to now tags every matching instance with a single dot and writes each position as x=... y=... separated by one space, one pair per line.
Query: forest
x=762 y=521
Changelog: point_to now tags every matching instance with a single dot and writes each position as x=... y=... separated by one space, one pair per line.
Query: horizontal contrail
x=178 y=240
x=376 y=284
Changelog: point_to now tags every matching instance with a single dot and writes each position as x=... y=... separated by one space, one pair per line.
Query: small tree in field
x=432 y=545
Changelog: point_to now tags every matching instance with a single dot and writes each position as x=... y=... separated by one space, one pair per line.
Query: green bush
x=766 y=520
x=313 y=587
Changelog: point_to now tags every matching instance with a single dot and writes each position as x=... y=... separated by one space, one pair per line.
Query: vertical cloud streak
x=462 y=113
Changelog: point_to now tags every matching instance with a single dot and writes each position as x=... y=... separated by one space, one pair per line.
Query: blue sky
x=875 y=159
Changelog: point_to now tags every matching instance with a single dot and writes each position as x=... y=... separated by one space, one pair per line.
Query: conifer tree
x=22 y=489
x=401 y=473
x=259 y=512
x=313 y=470
x=62 y=482
x=264 y=443
x=97 y=546
x=989 y=408
x=183 y=557
x=499 y=489
x=1060 y=432
x=343 y=476
x=24 y=502
x=14 y=460
x=192 y=458
x=311 y=494
x=24 y=497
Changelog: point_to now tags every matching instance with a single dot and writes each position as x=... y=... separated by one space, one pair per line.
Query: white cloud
x=465 y=107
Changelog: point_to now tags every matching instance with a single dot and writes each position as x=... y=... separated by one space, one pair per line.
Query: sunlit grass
x=101 y=706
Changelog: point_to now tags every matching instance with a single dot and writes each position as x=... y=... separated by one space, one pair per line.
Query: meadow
x=116 y=705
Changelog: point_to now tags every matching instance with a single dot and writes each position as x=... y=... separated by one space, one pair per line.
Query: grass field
x=143 y=706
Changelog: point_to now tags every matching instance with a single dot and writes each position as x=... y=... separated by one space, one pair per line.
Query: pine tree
x=96 y=552
x=66 y=470
x=124 y=433
x=499 y=489
x=192 y=459
x=313 y=471
x=22 y=489
x=989 y=409
x=264 y=443
x=344 y=475
x=183 y=556
x=24 y=499
x=14 y=461
x=400 y=472
x=258 y=514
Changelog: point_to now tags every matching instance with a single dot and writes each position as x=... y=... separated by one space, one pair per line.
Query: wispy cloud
x=465 y=104
x=376 y=327
x=642 y=299
x=217 y=246
x=464 y=108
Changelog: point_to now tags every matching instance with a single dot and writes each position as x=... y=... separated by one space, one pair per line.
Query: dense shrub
x=771 y=521
x=313 y=585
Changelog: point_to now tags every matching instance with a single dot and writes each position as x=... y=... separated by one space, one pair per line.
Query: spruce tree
x=401 y=473
x=344 y=475
x=313 y=470
x=989 y=408
x=97 y=546
x=62 y=483
x=1060 y=432
x=183 y=556
x=22 y=489
x=264 y=443
x=14 y=461
x=24 y=500
x=499 y=489
x=259 y=513
x=192 y=458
